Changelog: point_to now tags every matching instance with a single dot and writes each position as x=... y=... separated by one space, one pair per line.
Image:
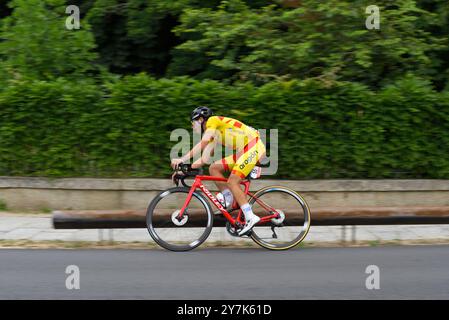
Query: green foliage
x=136 y=35
x=257 y=41
x=37 y=45
x=348 y=102
x=440 y=28
x=326 y=129
x=326 y=39
x=131 y=132
x=43 y=127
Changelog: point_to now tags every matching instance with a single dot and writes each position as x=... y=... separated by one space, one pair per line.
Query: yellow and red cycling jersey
x=243 y=139
x=231 y=133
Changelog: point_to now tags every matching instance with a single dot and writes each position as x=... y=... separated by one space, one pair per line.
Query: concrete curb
x=46 y=194
x=38 y=228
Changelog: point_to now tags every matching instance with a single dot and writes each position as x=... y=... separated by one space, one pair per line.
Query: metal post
x=353 y=233
x=343 y=234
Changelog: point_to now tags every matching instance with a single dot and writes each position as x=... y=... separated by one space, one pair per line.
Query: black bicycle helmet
x=201 y=111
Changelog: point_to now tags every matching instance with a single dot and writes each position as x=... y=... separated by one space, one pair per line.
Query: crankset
x=233 y=231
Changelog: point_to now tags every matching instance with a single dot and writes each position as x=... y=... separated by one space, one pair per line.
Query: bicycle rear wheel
x=171 y=233
x=293 y=223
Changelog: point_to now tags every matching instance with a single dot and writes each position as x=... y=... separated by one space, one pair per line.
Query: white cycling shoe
x=249 y=225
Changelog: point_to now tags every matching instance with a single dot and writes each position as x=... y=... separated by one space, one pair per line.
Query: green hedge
x=122 y=128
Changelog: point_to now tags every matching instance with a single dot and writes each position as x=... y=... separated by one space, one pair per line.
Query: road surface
x=405 y=272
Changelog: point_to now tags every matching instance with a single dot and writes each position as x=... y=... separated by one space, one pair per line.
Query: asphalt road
x=405 y=272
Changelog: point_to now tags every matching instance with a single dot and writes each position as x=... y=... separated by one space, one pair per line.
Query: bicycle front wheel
x=174 y=234
x=293 y=223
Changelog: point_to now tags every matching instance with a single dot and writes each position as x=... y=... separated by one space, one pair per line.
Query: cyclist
x=248 y=150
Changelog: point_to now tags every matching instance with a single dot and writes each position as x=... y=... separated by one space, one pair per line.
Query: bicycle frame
x=197 y=184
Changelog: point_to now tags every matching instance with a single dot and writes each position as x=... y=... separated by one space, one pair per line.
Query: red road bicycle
x=284 y=223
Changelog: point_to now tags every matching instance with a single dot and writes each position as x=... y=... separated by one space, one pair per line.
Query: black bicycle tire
x=166 y=245
x=303 y=203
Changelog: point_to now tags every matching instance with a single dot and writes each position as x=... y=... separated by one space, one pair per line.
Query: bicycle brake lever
x=175 y=179
x=180 y=178
x=184 y=183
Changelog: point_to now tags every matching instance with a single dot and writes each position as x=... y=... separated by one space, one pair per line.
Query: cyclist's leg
x=243 y=166
x=244 y=163
x=240 y=196
x=218 y=168
x=234 y=184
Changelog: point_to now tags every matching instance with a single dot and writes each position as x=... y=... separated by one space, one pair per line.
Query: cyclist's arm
x=205 y=140
x=207 y=153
